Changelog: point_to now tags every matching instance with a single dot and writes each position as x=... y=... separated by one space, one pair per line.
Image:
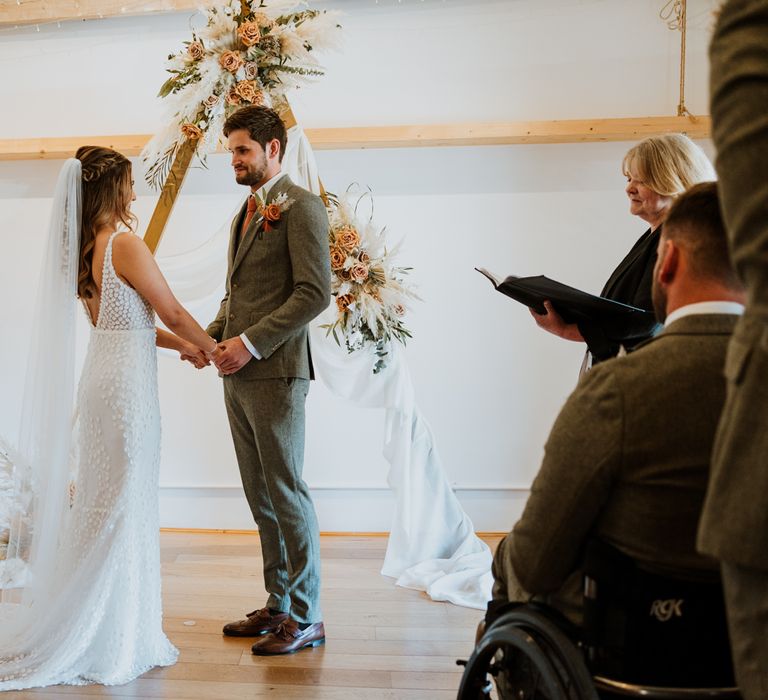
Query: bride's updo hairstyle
x=107 y=194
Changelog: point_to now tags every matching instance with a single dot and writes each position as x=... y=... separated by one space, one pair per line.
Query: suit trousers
x=747 y=605
x=266 y=417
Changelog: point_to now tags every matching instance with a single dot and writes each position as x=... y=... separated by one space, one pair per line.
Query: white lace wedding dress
x=104 y=621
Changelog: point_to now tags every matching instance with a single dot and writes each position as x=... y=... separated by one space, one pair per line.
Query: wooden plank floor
x=382 y=641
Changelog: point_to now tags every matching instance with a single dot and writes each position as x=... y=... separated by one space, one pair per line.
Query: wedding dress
x=96 y=616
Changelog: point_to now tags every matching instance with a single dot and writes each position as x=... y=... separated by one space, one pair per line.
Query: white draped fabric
x=432 y=545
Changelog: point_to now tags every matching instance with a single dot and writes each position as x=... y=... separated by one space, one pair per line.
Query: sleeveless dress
x=105 y=623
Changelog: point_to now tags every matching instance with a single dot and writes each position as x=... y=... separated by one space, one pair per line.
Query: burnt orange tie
x=252 y=209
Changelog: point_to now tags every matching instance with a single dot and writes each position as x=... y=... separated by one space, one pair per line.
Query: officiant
x=658 y=170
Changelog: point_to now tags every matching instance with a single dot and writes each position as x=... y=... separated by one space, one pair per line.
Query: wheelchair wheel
x=529 y=658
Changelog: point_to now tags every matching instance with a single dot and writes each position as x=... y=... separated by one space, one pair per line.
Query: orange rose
x=195 y=51
x=338 y=256
x=249 y=33
x=232 y=98
x=248 y=90
x=364 y=257
x=347 y=238
x=231 y=61
x=191 y=132
x=272 y=212
x=343 y=301
x=359 y=272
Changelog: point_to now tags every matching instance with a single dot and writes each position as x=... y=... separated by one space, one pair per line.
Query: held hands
x=231 y=355
x=228 y=357
x=194 y=355
x=553 y=322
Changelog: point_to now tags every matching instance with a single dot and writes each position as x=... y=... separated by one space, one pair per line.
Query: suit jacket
x=630 y=283
x=628 y=460
x=734 y=525
x=277 y=282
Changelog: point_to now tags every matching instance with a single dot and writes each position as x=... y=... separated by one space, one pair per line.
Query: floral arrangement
x=272 y=211
x=247 y=54
x=371 y=296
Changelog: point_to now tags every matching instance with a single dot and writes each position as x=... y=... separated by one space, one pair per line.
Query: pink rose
x=359 y=272
x=251 y=70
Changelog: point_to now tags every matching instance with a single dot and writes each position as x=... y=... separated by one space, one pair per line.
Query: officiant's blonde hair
x=107 y=193
x=668 y=164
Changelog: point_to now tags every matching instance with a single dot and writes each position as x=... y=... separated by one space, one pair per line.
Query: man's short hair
x=695 y=222
x=262 y=124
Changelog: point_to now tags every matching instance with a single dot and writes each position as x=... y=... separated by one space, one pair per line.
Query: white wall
x=488 y=382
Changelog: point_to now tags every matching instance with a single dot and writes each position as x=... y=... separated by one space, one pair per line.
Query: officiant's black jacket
x=630 y=284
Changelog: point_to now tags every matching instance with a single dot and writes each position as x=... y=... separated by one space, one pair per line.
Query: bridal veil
x=38 y=503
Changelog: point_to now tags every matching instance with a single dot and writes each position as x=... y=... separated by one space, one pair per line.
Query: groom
x=278 y=280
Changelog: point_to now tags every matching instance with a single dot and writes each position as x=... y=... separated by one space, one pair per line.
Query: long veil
x=35 y=504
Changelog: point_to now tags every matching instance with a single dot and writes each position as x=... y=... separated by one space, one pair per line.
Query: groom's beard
x=253 y=174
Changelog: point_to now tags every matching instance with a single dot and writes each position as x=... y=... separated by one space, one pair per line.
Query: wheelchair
x=644 y=636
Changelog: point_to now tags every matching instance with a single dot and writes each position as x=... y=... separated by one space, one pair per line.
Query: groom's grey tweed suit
x=277 y=282
x=734 y=522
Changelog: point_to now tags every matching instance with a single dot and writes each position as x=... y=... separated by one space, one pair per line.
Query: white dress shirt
x=705 y=307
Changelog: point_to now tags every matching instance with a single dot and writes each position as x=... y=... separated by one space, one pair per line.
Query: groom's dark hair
x=262 y=124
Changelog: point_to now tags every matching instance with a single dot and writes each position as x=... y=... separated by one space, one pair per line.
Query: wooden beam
x=57 y=147
x=476 y=134
x=40 y=11
x=501 y=133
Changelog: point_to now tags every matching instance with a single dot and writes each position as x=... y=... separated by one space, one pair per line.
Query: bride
x=80 y=584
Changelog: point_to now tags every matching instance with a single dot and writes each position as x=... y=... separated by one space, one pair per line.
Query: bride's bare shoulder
x=127 y=243
x=131 y=256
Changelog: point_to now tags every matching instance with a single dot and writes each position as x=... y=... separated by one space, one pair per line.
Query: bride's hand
x=211 y=354
x=194 y=356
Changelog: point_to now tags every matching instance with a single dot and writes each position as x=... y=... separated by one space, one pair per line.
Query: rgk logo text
x=664 y=610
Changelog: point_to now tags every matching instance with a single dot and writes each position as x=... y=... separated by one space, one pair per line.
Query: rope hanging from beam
x=674 y=13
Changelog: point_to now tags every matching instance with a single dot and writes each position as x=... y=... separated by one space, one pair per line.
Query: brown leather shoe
x=258 y=622
x=288 y=638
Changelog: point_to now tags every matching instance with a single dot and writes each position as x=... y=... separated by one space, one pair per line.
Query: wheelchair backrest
x=641 y=627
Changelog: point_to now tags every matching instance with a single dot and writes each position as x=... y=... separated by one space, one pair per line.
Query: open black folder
x=617 y=321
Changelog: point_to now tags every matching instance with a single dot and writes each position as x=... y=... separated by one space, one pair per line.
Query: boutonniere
x=272 y=212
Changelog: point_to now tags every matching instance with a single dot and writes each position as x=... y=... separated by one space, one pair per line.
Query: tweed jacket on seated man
x=627 y=459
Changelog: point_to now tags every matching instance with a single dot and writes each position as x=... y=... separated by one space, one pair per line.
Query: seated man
x=628 y=457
